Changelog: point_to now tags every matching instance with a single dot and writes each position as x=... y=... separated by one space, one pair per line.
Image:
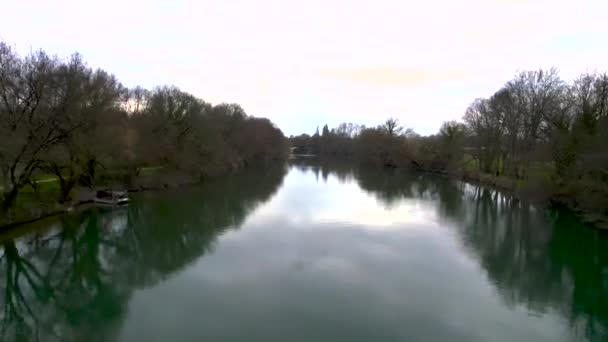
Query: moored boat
x=104 y=197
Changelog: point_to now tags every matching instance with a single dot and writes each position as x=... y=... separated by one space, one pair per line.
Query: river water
x=308 y=252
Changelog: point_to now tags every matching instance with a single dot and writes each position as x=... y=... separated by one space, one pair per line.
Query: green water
x=308 y=253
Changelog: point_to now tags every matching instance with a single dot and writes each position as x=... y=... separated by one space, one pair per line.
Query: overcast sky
x=312 y=62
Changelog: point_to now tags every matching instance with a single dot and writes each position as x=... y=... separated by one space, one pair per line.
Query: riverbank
x=589 y=201
x=38 y=206
x=584 y=199
x=44 y=205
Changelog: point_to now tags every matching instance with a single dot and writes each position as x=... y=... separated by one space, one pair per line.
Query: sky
x=304 y=64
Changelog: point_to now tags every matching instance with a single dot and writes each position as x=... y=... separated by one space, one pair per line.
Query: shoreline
x=86 y=201
x=84 y=197
x=534 y=193
x=545 y=199
x=510 y=186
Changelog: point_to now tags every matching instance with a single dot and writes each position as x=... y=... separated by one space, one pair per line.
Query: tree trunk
x=8 y=199
x=6 y=181
x=66 y=186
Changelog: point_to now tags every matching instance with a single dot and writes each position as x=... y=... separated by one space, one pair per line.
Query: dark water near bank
x=308 y=253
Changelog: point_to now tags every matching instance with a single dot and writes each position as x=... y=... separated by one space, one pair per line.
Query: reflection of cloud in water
x=374 y=217
x=115 y=220
x=341 y=200
x=355 y=254
x=305 y=281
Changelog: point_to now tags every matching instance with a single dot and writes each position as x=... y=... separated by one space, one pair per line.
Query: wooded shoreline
x=588 y=216
x=538 y=136
x=61 y=118
x=518 y=190
x=85 y=199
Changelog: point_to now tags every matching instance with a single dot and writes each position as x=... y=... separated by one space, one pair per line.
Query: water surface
x=308 y=252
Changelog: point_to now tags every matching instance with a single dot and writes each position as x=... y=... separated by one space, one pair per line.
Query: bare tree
x=392 y=127
x=452 y=135
x=30 y=117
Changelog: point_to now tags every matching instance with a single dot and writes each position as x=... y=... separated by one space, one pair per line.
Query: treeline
x=537 y=132
x=386 y=145
x=537 y=117
x=60 y=117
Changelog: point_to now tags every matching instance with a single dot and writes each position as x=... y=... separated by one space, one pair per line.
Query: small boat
x=104 y=197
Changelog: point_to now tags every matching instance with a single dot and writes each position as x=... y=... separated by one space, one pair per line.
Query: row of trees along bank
x=537 y=134
x=60 y=118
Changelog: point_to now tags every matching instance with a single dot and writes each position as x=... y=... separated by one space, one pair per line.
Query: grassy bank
x=41 y=201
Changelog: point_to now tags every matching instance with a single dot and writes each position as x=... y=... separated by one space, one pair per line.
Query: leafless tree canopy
x=61 y=117
x=537 y=130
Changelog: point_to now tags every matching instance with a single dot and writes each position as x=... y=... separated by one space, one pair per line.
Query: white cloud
x=421 y=61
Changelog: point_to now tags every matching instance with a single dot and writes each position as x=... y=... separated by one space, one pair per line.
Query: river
x=308 y=252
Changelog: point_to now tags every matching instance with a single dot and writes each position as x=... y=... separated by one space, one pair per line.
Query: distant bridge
x=301 y=151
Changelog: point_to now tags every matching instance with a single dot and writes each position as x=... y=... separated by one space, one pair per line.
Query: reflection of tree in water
x=342 y=170
x=306 y=164
x=74 y=281
x=168 y=233
x=387 y=185
x=546 y=261
x=56 y=285
x=390 y=186
x=18 y=314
